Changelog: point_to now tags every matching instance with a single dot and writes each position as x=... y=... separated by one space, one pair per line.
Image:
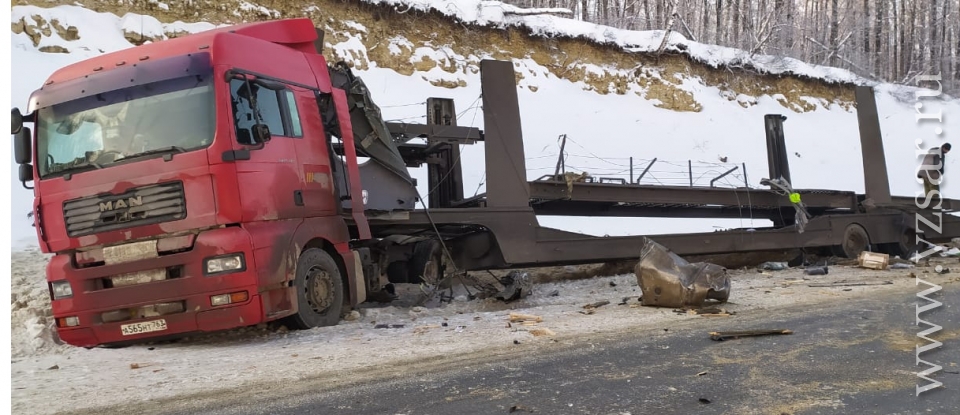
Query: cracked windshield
x=171 y=116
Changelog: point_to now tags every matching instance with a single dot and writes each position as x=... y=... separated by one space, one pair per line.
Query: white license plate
x=144 y=327
x=135 y=251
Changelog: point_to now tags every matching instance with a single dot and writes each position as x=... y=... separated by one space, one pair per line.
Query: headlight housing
x=61 y=290
x=224 y=264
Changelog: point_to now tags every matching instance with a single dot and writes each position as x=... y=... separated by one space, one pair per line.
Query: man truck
x=212 y=181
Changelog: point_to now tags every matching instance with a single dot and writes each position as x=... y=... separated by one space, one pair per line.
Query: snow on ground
x=604 y=132
x=232 y=359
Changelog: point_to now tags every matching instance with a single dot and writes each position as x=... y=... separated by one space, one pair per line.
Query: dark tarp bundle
x=667 y=280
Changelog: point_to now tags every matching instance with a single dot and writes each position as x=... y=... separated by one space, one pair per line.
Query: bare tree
x=891 y=40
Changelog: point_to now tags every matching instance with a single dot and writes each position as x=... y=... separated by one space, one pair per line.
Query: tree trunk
x=878 y=24
x=717 y=39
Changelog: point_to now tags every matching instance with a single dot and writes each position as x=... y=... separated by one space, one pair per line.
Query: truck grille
x=136 y=207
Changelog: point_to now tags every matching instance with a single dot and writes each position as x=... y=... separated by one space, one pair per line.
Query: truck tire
x=855 y=241
x=904 y=247
x=426 y=265
x=397 y=272
x=319 y=289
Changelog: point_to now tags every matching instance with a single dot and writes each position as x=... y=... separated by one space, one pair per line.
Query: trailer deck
x=499 y=228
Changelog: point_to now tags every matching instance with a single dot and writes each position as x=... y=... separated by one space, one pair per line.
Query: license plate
x=144 y=327
x=130 y=252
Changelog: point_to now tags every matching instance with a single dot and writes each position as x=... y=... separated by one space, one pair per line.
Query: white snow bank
x=540 y=22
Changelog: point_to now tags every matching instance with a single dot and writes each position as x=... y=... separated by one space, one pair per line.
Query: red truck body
x=133 y=237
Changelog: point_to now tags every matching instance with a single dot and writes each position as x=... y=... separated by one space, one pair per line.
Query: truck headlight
x=61 y=289
x=223 y=264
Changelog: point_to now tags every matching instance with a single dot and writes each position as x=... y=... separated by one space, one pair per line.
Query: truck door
x=319 y=184
x=270 y=180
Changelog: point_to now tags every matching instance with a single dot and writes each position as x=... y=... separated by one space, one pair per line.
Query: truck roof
x=297 y=33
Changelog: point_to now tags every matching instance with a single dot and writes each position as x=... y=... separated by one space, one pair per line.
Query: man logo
x=121 y=203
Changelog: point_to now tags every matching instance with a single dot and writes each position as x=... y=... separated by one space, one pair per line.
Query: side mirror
x=26 y=174
x=21 y=146
x=261 y=133
x=16 y=119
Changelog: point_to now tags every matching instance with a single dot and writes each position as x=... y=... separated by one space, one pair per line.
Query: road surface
x=850 y=357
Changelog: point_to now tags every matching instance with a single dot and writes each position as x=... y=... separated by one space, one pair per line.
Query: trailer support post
x=506 y=167
x=876 y=183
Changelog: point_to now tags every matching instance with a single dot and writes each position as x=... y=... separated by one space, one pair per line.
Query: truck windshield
x=140 y=121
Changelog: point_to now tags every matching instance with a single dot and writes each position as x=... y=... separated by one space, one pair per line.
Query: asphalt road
x=851 y=357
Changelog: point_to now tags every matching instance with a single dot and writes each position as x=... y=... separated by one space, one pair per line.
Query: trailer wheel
x=904 y=247
x=426 y=265
x=397 y=272
x=319 y=290
x=855 y=241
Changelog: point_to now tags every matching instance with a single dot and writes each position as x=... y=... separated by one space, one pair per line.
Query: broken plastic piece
x=667 y=280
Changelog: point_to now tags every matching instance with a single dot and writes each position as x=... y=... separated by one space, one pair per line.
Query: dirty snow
x=164 y=370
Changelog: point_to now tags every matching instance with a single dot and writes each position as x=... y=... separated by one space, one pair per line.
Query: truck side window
x=296 y=129
x=268 y=105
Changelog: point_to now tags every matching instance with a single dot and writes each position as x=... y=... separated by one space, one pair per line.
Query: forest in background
x=884 y=40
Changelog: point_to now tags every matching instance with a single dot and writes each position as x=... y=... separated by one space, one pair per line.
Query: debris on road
x=711 y=311
x=525 y=318
x=849 y=284
x=901 y=265
x=597 y=304
x=352 y=316
x=773 y=266
x=424 y=329
x=517 y=408
x=702 y=373
x=667 y=280
x=873 y=260
x=516 y=285
x=542 y=331
x=816 y=270
x=721 y=336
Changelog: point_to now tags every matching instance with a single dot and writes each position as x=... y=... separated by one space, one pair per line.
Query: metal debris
x=667 y=280
x=727 y=335
x=774 y=266
x=597 y=304
x=516 y=285
x=817 y=270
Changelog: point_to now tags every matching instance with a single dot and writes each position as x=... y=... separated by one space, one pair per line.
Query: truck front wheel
x=319 y=290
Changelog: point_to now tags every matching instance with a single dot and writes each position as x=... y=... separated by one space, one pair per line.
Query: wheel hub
x=319 y=289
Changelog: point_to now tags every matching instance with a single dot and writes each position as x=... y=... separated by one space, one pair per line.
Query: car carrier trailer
x=499 y=229
x=212 y=181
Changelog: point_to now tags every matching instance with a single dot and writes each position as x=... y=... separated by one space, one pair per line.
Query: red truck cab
x=191 y=185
